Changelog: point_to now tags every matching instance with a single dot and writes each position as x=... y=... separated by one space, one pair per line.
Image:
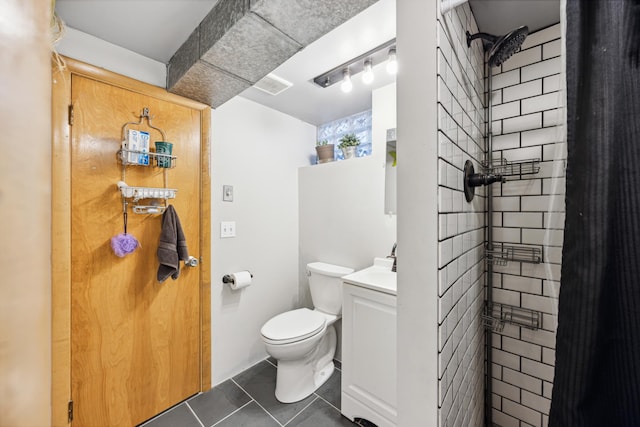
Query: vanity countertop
x=378 y=277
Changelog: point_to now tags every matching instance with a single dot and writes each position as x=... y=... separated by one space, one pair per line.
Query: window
x=359 y=123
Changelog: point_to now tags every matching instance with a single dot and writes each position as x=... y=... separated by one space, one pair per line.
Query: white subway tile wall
x=461 y=118
x=530 y=211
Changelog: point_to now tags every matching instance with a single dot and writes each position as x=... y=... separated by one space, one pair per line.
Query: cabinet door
x=369 y=349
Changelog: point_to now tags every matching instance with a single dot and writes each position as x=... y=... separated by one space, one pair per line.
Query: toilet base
x=298 y=379
x=290 y=387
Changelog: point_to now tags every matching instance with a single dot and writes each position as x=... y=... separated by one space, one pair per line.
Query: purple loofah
x=123 y=244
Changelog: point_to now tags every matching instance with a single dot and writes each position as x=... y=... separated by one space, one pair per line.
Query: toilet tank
x=325 y=283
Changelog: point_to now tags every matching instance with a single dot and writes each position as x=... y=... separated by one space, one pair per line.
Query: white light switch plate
x=227 y=193
x=227 y=229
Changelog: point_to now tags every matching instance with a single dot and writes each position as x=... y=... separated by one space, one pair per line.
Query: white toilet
x=304 y=341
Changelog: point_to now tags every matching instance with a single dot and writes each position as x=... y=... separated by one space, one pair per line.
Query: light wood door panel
x=135 y=342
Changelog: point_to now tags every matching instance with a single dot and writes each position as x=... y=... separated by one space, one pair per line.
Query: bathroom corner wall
x=342 y=219
x=528 y=123
x=257 y=150
x=461 y=225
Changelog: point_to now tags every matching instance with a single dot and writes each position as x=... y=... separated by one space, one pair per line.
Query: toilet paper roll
x=241 y=279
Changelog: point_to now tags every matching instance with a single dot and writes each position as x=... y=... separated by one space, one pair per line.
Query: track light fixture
x=346 y=85
x=367 y=74
x=363 y=63
x=392 y=61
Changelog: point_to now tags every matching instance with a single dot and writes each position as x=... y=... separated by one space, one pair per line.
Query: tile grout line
x=302 y=410
x=240 y=408
x=326 y=401
x=221 y=420
x=160 y=414
x=194 y=414
x=257 y=403
x=270 y=362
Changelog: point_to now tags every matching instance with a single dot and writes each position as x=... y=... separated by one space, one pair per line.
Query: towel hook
x=144 y=115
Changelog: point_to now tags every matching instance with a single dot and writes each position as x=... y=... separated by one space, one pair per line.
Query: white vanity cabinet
x=369 y=352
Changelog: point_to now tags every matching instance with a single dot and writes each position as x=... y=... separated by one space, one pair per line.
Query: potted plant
x=348 y=144
x=325 y=151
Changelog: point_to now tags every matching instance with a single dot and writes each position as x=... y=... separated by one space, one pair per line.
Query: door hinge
x=71 y=115
x=70 y=410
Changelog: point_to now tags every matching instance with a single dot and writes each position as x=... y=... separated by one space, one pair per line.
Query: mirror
x=390 y=173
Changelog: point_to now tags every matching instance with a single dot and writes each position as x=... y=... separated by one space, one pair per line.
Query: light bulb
x=346 y=85
x=367 y=76
x=392 y=62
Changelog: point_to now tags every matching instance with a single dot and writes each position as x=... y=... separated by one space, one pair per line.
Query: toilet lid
x=294 y=325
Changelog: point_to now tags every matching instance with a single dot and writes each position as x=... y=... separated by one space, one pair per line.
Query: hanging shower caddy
x=126 y=158
x=496 y=315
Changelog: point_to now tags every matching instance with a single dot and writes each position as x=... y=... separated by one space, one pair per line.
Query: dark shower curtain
x=597 y=372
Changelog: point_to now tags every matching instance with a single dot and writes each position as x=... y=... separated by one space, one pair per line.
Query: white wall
x=257 y=150
x=342 y=219
x=95 y=51
x=25 y=215
x=417 y=214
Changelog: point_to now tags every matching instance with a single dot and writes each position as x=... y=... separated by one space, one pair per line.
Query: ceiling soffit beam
x=241 y=41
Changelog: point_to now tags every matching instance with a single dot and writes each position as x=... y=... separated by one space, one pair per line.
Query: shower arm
x=485 y=36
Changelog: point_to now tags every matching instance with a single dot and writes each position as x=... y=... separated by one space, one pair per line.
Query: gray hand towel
x=172 y=247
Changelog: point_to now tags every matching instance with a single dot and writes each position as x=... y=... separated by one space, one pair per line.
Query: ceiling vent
x=272 y=84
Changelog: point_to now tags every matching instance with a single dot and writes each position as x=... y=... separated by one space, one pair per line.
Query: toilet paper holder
x=228 y=278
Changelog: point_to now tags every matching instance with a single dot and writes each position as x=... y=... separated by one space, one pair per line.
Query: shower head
x=501 y=47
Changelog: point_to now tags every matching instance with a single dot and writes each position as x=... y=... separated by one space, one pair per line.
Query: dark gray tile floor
x=248 y=400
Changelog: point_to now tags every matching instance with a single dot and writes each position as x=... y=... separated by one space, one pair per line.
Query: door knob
x=191 y=262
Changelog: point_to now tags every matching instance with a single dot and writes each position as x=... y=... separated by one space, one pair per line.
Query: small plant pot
x=325 y=153
x=349 y=152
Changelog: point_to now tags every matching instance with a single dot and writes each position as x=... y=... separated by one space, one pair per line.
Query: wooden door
x=135 y=342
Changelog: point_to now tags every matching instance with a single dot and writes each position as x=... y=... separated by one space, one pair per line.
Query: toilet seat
x=292 y=326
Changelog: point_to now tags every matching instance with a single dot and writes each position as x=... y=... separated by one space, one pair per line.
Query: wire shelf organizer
x=496 y=315
x=512 y=170
x=156 y=159
x=128 y=157
x=502 y=253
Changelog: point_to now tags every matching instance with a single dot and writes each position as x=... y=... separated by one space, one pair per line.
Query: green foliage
x=349 y=140
x=323 y=142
